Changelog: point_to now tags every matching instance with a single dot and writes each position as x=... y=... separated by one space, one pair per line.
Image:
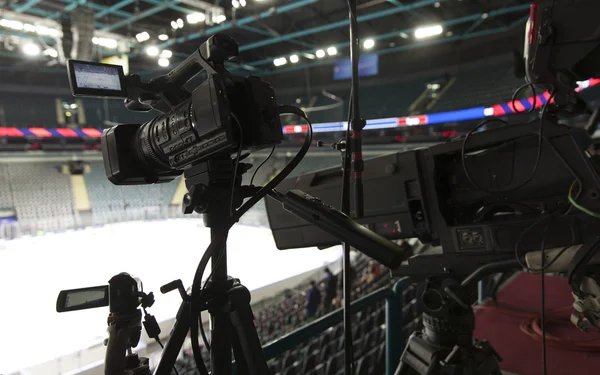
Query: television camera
x=492 y=200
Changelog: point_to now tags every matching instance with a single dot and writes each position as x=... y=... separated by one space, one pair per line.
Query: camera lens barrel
x=162 y=137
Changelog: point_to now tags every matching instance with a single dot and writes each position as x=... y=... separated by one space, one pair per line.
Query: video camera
x=224 y=113
x=124 y=296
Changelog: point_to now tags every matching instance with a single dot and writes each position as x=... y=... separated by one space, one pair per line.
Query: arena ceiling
x=300 y=33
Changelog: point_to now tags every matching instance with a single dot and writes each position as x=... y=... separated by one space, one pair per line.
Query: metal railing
x=394 y=337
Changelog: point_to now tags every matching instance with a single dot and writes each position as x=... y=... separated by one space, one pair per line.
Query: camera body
x=221 y=115
x=194 y=131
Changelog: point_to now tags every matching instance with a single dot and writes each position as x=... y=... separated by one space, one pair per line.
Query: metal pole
x=352 y=160
x=220 y=326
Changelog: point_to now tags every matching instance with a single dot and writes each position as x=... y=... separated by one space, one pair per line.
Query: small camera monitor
x=81 y=299
x=96 y=79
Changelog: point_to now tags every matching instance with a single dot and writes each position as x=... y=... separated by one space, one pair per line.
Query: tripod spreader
x=231 y=299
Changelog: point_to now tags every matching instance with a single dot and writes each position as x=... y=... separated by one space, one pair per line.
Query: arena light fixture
x=428 y=31
x=243 y=3
x=31 y=49
x=73 y=106
x=164 y=62
x=310 y=56
x=174 y=25
x=332 y=51
x=152 y=51
x=320 y=53
x=194 y=18
x=45 y=30
x=369 y=43
x=166 y=54
x=11 y=24
x=404 y=36
x=280 y=61
x=105 y=42
x=142 y=37
x=294 y=59
x=29 y=28
x=219 y=19
x=180 y=23
x=235 y=3
x=163 y=37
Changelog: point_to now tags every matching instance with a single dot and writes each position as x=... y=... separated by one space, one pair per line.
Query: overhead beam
x=137 y=17
x=412 y=11
x=114 y=9
x=25 y=7
x=268 y=33
x=171 y=5
x=242 y=21
x=396 y=49
x=395 y=34
x=336 y=25
x=475 y=25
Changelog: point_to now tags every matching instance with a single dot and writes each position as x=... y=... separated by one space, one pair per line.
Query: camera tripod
x=226 y=299
x=446 y=346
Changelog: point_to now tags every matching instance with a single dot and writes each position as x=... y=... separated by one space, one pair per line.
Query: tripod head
x=124 y=296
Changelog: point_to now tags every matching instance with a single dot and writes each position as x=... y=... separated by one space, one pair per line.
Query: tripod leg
x=173 y=346
x=242 y=321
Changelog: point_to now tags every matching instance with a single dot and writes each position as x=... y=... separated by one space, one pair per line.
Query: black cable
x=537 y=158
x=162 y=347
x=221 y=236
x=237 y=161
x=261 y=164
x=556 y=257
x=543 y=314
x=533 y=93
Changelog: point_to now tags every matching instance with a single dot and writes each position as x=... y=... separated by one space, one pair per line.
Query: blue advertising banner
x=368 y=65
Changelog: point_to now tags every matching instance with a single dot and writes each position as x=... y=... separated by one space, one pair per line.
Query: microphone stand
x=352 y=161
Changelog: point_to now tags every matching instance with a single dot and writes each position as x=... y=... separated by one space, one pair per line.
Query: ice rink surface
x=33 y=270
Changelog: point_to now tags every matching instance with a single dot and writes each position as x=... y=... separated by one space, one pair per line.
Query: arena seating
x=479 y=87
x=323 y=354
x=41 y=196
x=111 y=203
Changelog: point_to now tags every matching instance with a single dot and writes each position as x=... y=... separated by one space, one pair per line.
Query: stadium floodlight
x=180 y=23
x=152 y=51
x=50 y=52
x=47 y=31
x=163 y=37
x=166 y=54
x=174 y=25
x=404 y=36
x=235 y=3
x=320 y=53
x=310 y=56
x=11 y=24
x=73 y=106
x=164 y=62
x=105 y=42
x=243 y=3
x=194 y=18
x=31 y=49
x=280 y=61
x=142 y=37
x=428 y=31
x=219 y=19
x=369 y=43
x=294 y=59
x=332 y=51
